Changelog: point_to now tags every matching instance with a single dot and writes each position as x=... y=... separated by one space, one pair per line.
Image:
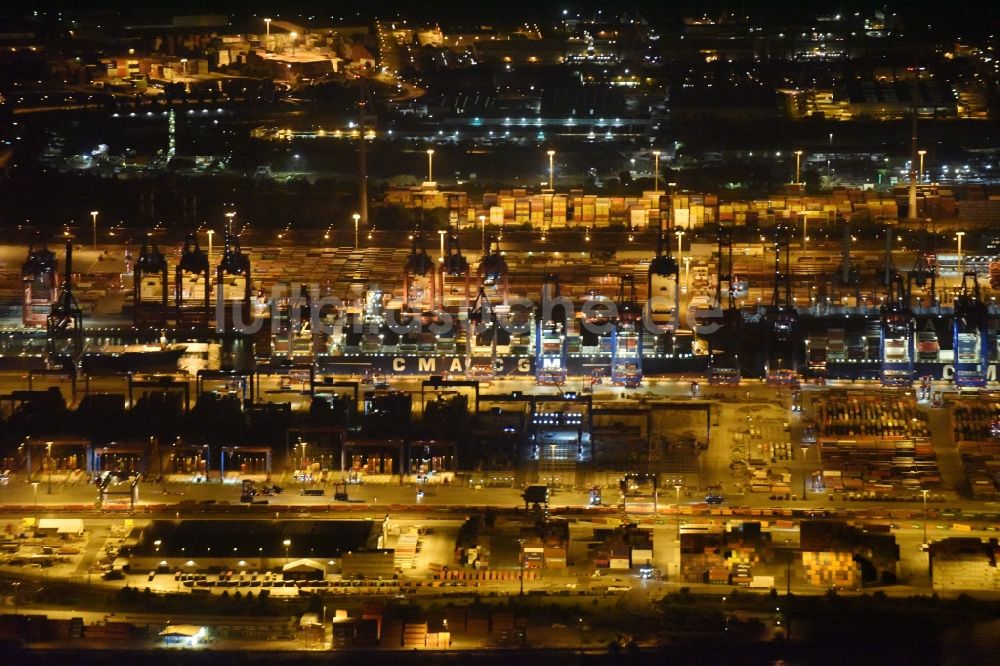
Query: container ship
x=452 y=317
x=430 y=328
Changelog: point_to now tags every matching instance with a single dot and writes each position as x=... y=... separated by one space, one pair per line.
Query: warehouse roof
x=62 y=525
x=304 y=564
x=256 y=538
x=186 y=630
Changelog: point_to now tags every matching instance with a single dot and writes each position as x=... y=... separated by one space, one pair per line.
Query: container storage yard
x=875 y=445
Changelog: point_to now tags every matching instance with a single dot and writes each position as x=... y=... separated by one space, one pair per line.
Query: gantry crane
x=626 y=336
x=550 y=335
x=493 y=271
x=482 y=326
x=455 y=269
x=971 y=334
x=724 y=345
x=782 y=317
x=664 y=288
x=419 y=278
x=150 y=289
x=40 y=274
x=65 y=322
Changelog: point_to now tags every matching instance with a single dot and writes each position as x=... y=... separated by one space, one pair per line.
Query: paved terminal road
x=371 y=499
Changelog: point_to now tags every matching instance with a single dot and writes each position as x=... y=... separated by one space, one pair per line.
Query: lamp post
x=93 y=218
x=48 y=461
x=521 y=559
x=210 y=232
x=677 y=490
x=552 y=168
x=267 y=38
x=677 y=508
x=441 y=234
x=357 y=218
x=260 y=556
x=924 y=493
x=687 y=274
x=921 y=153
x=805 y=230
x=184 y=66
x=482 y=225
x=680 y=234
x=805 y=472
x=430 y=165
x=34 y=492
x=287 y=543
x=798 y=164
x=958 y=235
x=656 y=171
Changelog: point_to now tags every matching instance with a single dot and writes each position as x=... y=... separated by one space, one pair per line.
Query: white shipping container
x=641 y=555
x=496 y=214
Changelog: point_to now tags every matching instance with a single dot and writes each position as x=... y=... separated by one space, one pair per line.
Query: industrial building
x=728 y=556
x=838 y=555
x=255 y=545
x=965 y=563
x=623 y=547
